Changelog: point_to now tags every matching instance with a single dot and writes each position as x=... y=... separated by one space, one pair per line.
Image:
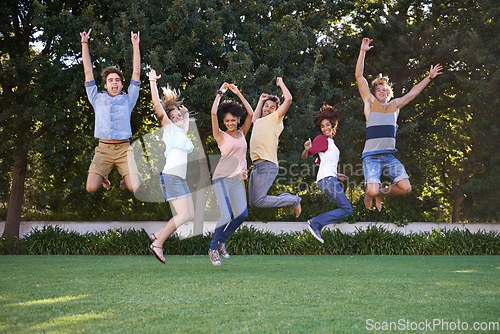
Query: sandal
x=152 y=250
x=153 y=237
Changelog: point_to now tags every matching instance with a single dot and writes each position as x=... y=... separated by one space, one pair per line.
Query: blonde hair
x=384 y=81
x=170 y=99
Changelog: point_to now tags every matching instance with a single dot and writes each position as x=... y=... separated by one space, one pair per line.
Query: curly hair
x=381 y=80
x=326 y=112
x=111 y=69
x=170 y=100
x=231 y=107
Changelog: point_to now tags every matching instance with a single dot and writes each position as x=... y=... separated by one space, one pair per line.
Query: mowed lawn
x=247 y=294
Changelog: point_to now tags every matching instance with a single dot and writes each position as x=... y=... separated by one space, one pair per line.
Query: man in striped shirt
x=381 y=124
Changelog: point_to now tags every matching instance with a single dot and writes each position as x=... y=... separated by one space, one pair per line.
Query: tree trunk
x=16 y=196
x=457 y=207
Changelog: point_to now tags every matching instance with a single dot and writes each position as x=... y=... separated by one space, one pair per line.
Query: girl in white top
x=326 y=121
x=177 y=147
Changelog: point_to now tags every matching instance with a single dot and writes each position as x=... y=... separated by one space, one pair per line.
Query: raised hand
x=365 y=44
x=435 y=71
x=153 y=76
x=85 y=36
x=135 y=38
x=184 y=110
x=263 y=96
x=279 y=81
x=234 y=89
x=223 y=87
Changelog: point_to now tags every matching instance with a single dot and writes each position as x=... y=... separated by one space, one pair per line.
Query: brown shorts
x=109 y=155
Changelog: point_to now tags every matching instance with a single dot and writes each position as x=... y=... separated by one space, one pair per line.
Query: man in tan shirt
x=264 y=151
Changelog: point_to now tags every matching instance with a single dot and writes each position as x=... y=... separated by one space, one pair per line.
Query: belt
x=118 y=143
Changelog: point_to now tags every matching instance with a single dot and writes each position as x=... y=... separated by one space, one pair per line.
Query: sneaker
x=315 y=232
x=214 y=257
x=222 y=250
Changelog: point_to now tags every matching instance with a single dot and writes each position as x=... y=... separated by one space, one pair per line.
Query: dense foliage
x=446 y=136
x=52 y=240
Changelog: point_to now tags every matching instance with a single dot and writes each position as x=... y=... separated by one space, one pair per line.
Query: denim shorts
x=173 y=187
x=374 y=166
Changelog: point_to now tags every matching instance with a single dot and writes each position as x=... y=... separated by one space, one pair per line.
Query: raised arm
x=408 y=97
x=258 y=109
x=160 y=112
x=87 y=63
x=136 y=66
x=248 y=120
x=283 y=108
x=216 y=131
x=364 y=88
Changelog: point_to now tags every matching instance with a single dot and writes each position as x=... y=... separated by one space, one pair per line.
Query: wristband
x=429 y=77
x=219 y=92
x=85 y=42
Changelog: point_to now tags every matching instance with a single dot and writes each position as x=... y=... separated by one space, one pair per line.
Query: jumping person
x=381 y=124
x=112 y=120
x=268 y=125
x=326 y=122
x=231 y=169
x=173 y=177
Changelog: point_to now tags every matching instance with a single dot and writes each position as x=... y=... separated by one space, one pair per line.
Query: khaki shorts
x=109 y=155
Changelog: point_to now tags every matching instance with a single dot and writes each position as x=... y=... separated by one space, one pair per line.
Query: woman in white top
x=326 y=121
x=173 y=177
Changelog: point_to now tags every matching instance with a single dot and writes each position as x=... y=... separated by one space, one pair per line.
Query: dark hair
x=326 y=112
x=108 y=70
x=274 y=99
x=231 y=107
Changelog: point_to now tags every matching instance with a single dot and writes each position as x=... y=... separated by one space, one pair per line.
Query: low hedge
x=375 y=240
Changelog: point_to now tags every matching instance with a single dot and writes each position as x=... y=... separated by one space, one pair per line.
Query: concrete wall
x=275 y=227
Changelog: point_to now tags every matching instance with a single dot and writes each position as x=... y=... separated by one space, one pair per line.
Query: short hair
x=170 y=100
x=382 y=80
x=111 y=69
x=274 y=99
x=231 y=107
x=326 y=112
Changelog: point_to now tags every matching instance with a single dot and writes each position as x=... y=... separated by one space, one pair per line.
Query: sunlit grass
x=49 y=301
x=247 y=294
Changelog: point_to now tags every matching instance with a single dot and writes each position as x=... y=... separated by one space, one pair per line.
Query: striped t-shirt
x=381 y=129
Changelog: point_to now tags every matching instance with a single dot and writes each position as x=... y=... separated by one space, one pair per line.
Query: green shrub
x=53 y=240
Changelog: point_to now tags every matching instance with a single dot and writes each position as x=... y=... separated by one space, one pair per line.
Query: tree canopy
x=446 y=139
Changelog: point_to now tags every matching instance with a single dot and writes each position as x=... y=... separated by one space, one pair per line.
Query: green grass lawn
x=254 y=294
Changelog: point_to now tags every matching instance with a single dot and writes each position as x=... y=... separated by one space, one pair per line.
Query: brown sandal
x=153 y=237
x=152 y=250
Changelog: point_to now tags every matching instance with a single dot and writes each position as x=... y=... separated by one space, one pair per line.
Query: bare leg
x=94 y=182
x=130 y=181
x=184 y=209
x=372 y=190
x=298 y=211
x=403 y=187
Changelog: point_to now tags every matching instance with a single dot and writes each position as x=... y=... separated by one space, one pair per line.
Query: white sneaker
x=214 y=257
x=222 y=251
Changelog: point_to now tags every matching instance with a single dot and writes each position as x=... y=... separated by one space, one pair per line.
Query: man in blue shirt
x=112 y=110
